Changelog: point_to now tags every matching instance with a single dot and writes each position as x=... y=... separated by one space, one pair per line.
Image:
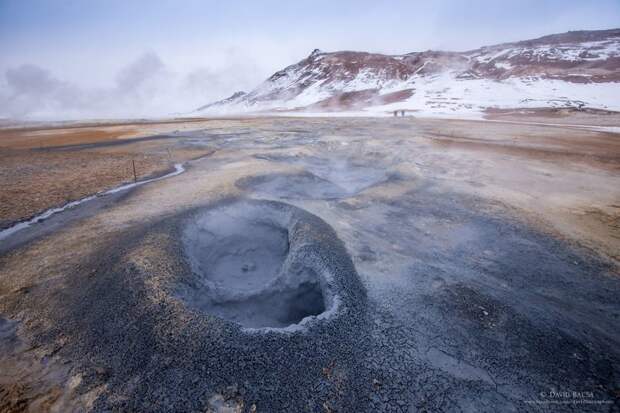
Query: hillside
x=575 y=69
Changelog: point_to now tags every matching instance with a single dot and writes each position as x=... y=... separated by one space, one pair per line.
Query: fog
x=146 y=87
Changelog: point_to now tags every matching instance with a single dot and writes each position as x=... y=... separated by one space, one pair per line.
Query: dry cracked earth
x=330 y=265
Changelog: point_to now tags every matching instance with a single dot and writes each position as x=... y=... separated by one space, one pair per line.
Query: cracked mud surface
x=453 y=277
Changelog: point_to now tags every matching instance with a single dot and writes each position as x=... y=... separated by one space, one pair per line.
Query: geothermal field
x=343 y=264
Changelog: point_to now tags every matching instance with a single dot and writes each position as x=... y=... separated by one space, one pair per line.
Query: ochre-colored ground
x=558 y=173
x=36 y=173
x=461 y=252
x=566 y=116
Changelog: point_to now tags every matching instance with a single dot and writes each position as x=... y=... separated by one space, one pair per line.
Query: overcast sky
x=119 y=58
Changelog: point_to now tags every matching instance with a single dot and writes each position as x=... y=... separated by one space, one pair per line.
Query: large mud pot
x=252 y=267
x=219 y=301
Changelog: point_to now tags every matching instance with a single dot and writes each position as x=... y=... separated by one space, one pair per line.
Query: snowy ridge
x=574 y=69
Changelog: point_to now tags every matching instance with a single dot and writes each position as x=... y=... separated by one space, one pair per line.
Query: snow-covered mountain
x=574 y=69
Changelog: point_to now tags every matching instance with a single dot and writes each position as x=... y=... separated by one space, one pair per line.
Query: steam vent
x=266 y=265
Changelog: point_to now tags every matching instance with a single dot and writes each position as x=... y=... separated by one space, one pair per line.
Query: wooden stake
x=133 y=164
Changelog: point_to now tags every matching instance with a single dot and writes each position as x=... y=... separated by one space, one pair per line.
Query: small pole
x=133 y=164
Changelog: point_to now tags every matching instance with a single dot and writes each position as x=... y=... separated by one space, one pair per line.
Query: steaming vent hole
x=243 y=270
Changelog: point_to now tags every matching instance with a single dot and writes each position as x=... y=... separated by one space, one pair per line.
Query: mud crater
x=321 y=178
x=250 y=265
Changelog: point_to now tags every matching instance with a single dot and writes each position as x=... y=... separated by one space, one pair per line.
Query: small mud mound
x=260 y=264
x=322 y=179
x=292 y=186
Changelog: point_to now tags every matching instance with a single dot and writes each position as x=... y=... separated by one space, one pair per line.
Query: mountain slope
x=574 y=69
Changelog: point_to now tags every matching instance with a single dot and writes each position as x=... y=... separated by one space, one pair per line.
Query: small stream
x=5 y=233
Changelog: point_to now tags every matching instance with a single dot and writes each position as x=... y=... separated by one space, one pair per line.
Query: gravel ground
x=443 y=289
